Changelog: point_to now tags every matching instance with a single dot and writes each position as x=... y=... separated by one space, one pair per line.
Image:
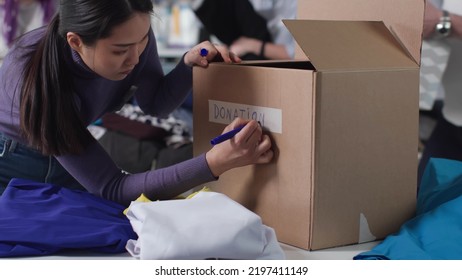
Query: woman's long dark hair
x=49 y=117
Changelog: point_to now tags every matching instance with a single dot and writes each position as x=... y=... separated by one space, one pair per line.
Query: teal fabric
x=435 y=233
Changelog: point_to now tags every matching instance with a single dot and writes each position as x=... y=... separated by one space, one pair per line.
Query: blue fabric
x=42 y=219
x=436 y=231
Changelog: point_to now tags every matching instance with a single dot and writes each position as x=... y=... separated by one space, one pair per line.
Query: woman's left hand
x=194 y=56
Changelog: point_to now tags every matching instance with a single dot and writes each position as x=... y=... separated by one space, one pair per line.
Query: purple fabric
x=43 y=219
x=11 y=9
x=156 y=94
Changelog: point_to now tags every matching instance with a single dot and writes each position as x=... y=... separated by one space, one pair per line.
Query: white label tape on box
x=226 y=112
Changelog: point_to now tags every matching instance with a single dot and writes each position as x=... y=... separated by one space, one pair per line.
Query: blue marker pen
x=226 y=136
x=204 y=52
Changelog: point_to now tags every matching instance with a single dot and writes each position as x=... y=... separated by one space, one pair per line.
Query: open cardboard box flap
x=404 y=19
x=349 y=45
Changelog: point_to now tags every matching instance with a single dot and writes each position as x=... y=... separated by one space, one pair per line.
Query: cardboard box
x=344 y=126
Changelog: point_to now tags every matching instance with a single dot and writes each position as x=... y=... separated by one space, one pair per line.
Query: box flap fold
x=349 y=45
x=404 y=18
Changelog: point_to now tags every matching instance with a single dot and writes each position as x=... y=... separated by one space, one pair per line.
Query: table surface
x=292 y=253
x=337 y=253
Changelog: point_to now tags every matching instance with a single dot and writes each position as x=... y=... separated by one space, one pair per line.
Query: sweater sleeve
x=97 y=172
x=158 y=94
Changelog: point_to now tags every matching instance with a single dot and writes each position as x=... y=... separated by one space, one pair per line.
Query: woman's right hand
x=248 y=146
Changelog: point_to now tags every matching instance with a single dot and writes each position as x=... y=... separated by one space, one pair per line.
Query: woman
x=93 y=56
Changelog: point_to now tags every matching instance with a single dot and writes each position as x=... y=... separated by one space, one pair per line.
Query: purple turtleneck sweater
x=157 y=94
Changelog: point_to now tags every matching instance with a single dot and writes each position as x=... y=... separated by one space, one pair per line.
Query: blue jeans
x=19 y=161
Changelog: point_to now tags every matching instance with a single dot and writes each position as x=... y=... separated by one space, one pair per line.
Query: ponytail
x=49 y=118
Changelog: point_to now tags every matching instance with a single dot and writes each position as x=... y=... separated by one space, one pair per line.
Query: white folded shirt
x=209 y=225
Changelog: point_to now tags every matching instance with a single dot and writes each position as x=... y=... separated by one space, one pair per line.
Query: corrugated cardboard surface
x=404 y=18
x=345 y=151
x=340 y=45
x=365 y=155
x=346 y=159
x=280 y=188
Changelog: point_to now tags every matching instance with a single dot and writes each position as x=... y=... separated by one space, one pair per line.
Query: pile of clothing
x=44 y=219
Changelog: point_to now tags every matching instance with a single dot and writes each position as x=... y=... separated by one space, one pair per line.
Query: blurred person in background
x=443 y=21
x=21 y=16
x=252 y=29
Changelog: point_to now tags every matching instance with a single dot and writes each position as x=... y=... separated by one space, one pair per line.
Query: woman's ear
x=74 y=41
